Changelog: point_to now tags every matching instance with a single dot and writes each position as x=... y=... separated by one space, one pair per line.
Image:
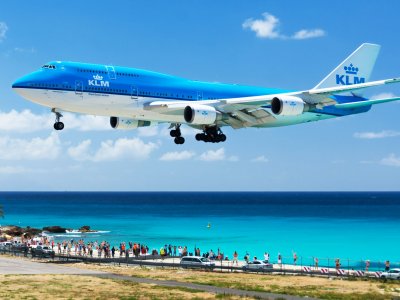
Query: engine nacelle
x=126 y=123
x=288 y=106
x=200 y=114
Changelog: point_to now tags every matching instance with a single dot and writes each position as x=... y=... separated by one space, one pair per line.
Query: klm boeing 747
x=135 y=98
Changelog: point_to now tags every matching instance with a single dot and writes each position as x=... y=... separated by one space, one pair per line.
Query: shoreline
x=76 y=246
x=220 y=265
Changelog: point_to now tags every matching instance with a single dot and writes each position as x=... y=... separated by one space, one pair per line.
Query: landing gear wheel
x=59 y=126
x=174 y=133
x=177 y=134
x=179 y=140
x=211 y=135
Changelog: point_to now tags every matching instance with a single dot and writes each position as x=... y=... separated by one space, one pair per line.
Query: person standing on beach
x=367 y=263
x=175 y=250
x=235 y=258
x=337 y=263
x=112 y=252
x=387 y=265
x=266 y=257
x=246 y=257
x=316 y=263
x=294 y=258
x=279 y=259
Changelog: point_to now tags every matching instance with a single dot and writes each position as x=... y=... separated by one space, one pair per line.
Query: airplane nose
x=21 y=82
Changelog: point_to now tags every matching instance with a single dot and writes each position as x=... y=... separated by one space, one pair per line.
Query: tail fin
x=357 y=68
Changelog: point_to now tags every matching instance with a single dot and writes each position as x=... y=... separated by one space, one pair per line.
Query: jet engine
x=200 y=114
x=126 y=123
x=288 y=106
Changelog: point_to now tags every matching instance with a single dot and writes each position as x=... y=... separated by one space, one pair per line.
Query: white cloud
x=3 y=31
x=212 y=155
x=376 y=135
x=383 y=96
x=34 y=149
x=264 y=28
x=391 y=160
x=260 y=158
x=308 y=34
x=182 y=155
x=267 y=28
x=86 y=122
x=81 y=151
x=26 y=121
x=124 y=148
x=148 y=131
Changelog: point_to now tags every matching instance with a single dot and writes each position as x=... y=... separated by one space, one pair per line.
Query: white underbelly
x=97 y=104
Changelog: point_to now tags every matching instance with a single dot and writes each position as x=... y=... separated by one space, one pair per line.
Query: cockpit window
x=49 y=67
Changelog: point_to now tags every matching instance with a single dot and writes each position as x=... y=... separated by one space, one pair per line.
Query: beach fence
x=326 y=266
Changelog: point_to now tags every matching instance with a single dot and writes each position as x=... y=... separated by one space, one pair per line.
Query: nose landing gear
x=58 y=125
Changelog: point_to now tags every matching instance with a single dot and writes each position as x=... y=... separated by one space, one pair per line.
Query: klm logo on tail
x=350 y=77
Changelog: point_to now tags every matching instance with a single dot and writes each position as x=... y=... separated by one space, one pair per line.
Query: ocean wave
x=67 y=235
x=74 y=231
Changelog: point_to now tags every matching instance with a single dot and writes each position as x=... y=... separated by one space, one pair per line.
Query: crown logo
x=351 y=69
x=97 y=77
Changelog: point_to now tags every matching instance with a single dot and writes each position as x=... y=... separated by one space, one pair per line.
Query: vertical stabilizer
x=356 y=68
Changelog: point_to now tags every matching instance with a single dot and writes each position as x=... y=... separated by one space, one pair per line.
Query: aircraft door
x=134 y=95
x=78 y=87
x=111 y=72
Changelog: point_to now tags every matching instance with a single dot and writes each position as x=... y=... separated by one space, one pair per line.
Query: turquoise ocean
x=348 y=225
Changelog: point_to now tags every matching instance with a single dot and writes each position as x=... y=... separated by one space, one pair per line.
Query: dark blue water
x=347 y=225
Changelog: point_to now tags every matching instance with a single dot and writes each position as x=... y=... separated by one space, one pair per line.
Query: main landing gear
x=211 y=135
x=177 y=135
x=58 y=125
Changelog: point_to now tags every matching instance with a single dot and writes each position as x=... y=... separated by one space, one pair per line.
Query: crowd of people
x=105 y=250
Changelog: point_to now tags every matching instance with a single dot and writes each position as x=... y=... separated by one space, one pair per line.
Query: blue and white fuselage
x=134 y=97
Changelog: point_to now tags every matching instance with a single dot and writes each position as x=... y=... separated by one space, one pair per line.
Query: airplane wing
x=350 y=76
x=249 y=111
x=321 y=97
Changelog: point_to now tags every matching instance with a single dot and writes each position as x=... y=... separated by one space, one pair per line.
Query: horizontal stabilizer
x=365 y=103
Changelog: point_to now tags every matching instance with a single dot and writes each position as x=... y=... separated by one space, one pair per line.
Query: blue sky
x=293 y=45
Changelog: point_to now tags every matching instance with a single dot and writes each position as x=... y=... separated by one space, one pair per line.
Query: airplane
x=135 y=98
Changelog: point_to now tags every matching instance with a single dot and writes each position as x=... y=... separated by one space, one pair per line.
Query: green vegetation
x=87 y=287
x=303 y=286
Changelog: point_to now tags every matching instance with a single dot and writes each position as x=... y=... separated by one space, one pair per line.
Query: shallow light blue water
x=354 y=226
